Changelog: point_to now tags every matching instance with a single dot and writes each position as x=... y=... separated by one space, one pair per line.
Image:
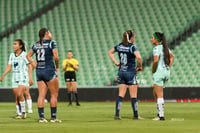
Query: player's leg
x=42 y=89
x=53 y=86
x=160 y=101
x=28 y=99
x=134 y=101
x=122 y=92
x=18 y=109
x=20 y=96
x=69 y=92
x=74 y=89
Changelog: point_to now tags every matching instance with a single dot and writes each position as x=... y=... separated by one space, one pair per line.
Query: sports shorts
x=45 y=74
x=128 y=78
x=161 y=76
x=70 y=76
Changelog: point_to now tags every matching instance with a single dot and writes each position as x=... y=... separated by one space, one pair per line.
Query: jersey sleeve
x=34 y=49
x=25 y=59
x=53 y=45
x=10 y=59
x=116 y=48
x=155 y=51
x=64 y=63
x=133 y=49
x=76 y=62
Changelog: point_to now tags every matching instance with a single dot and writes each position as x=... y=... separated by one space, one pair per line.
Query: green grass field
x=97 y=117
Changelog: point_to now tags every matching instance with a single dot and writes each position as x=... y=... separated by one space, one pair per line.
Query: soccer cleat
x=117 y=118
x=23 y=115
x=69 y=104
x=77 y=104
x=30 y=111
x=55 y=121
x=138 y=118
x=42 y=120
x=18 y=117
x=158 y=119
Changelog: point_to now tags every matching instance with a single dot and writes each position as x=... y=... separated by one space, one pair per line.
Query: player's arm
x=155 y=62
x=56 y=59
x=30 y=74
x=111 y=55
x=29 y=58
x=139 y=61
x=64 y=66
x=8 y=68
x=75 y=67
x=171 y=59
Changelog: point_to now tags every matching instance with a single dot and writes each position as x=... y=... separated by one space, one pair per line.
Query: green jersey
x=158 y=50
x=19 y=67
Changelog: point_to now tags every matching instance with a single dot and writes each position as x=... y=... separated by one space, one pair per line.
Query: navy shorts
x=128 y=78
x=45 y=74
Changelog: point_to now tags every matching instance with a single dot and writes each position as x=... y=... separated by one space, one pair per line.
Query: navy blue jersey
x=126 y=56
x=44 y=54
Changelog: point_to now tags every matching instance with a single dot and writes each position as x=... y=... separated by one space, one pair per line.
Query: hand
x=139 y=69
x=34 y=64
x=117 y=64
x=30 y=82
x=1 y=79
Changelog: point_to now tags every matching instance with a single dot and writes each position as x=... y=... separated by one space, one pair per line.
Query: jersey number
x=123 y=58
x=40 y=54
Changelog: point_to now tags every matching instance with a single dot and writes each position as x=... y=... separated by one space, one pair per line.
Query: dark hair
x=127 y=35
x=69 y=51
x=42 y=34
x=162 y=37
x=21 y=42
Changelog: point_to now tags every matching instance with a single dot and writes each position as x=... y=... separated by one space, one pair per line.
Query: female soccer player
x=21 y=77
x=162 y=61
x=70 y=65
x=47 y=75
x=127 y=53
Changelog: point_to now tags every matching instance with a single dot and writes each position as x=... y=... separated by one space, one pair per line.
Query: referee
x=70 y=65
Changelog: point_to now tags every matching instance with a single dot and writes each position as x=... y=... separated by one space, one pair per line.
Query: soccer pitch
x=97 y=117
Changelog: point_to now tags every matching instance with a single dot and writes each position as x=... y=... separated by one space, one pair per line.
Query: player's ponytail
x=21 y=42
x=42 y=34
x=162 y=38
x=127 y=36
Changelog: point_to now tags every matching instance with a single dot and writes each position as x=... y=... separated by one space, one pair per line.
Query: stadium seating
x=91 y=27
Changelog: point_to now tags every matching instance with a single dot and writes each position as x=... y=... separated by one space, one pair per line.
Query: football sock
x=76 y=96
x=118 y=105
x=134 y=104
x=41 y=112
x=18 y=110
x=70 y=97
x=160 y=107
x=29 y=103
x=23 y=106
x=53 y=112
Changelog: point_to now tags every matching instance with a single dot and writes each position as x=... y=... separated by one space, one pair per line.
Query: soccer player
x=162 y=61
x=47 y=75
x=127 y=53
x=70 y=65
x=21 y=77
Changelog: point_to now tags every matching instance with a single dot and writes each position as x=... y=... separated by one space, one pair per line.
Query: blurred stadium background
x=91 y=27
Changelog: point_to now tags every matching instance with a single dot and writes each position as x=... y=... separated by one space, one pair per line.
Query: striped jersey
x=44 y=54
x=158 y=50
x=19 y=66
x=126 y=56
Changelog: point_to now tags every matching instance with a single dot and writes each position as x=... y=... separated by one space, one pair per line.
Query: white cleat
x=43 y=120
x=23 y=115
x=30 y=111
x=55 y=121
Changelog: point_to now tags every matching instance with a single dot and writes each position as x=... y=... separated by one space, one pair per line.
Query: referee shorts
x=70 y=76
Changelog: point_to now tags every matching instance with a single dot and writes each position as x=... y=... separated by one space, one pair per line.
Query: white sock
x=160 y=107
x=29 y=103
x=23 y=106
x=18 y=110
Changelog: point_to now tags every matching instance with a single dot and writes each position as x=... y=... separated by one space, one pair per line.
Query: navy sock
x=53 y=112
x=70 y=97
x=134 y=104
x=76 y=96
x=118 y=105
x=41 y=112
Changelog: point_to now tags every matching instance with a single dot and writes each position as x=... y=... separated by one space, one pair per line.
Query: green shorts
x=161 y=76
x=15 y=84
